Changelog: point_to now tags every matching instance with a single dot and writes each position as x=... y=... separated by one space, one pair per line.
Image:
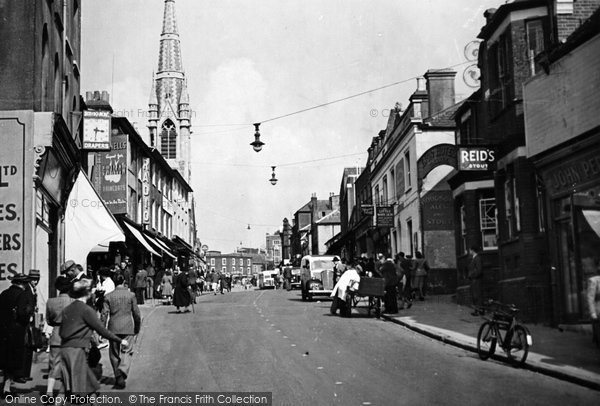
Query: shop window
x=42 y=209
x=488 y=223
x=463 y=230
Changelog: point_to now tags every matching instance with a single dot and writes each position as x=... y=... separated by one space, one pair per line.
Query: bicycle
x=503 y=329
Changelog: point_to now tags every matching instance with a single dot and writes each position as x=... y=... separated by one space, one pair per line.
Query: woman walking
x=166 y=287
x=421 y=268
x=78 y=322
x=182 y=296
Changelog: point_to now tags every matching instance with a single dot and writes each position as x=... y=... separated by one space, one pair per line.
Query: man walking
x=123 y=315
x=140 y=283
x=476 y=278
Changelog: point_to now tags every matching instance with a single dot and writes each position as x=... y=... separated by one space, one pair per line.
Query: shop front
x=570 y=178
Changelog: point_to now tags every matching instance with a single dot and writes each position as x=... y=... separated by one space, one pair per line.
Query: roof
x=503 y=11
x=331 y=218
x=444 y=118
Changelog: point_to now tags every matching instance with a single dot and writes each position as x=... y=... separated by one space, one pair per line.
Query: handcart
x=372 y=290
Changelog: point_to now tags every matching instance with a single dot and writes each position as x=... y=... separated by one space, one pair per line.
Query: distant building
x=273 y=246
x=308 y=235
x=236 y=263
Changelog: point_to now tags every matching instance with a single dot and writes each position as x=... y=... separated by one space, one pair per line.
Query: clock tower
x=169 y=114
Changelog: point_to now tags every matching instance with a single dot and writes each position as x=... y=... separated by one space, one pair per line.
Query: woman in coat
x=16 y=313
x=421 y=268
x=182 y=296
x=166 y=286
x=78 y=322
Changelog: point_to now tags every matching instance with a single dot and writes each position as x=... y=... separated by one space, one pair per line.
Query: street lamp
x=257 y=144
x=273 y=179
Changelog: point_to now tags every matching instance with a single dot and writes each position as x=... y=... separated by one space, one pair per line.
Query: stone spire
x=169 y=114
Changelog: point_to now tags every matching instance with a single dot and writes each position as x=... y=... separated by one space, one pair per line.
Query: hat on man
x=336 y=259
x=20 y=278
x=67 y=265
x=105 y=271
x=34 y=274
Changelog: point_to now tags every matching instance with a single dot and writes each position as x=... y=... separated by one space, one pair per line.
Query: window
x=393 y=183
x=248 y=262
x=224 y=269
x=541 y=209
x=249 y=270
x=488 y=223
x=535 y=41
x=409 y=234
x=241 y=269
x=168 y=140
x=224 y=261
x=377 y=199
x=511 y=210
x=232 y=261
x=463 y=230
x=212 y=262
x=385 y=190
x=407 y=169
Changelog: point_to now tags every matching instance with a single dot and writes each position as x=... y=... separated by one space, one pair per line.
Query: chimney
x=99 y=101
x=489 y=14
x=440 y=88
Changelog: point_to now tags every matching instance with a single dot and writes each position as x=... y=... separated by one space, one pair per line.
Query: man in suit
x=476 y=277
x=140 y=282
x=121 y=311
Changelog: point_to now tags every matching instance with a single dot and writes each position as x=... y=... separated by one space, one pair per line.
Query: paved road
x=272 y=341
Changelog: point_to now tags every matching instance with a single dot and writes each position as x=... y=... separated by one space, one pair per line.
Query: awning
x=160 y=246
x=141 y=239
x=88 y=222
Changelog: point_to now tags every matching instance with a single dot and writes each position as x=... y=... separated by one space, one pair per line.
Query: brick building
x=236 y=263
x=563 y=141
x=314 y=224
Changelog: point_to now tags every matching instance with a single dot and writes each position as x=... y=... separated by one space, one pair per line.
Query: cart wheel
x=378 y=308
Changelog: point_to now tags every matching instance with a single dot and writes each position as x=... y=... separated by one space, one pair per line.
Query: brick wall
x=567 y=23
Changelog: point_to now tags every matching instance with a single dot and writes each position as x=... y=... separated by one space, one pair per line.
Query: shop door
x=579 y=248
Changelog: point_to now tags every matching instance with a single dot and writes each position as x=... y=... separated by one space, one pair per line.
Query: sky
x=249 y=61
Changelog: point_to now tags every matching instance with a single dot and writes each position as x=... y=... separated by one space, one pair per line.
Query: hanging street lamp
x=273 y=179
x=257 y=144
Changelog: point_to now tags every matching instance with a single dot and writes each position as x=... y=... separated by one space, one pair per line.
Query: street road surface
x=272 y=341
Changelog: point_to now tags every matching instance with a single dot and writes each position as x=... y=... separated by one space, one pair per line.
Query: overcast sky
x=248 y=61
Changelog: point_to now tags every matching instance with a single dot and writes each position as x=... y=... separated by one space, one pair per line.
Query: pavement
x=273 y=341
x=567 y=355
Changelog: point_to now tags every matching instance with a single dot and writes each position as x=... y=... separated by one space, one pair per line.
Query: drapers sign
x=110 y=174
x=476 y=159
x=96 y=130
x=146 y=190
x=12 y=189
x=385 y=216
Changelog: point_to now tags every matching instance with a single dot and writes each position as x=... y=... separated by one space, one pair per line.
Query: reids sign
x=476 y=159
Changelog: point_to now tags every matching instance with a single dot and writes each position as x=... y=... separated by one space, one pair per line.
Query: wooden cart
x=371 y=289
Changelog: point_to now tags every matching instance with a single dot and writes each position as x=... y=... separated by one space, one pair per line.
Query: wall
x=551 y=116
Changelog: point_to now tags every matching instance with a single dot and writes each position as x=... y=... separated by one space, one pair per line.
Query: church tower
x=169 y=114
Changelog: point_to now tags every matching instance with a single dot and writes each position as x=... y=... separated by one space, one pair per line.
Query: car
x=317 y=276
x=296 y=278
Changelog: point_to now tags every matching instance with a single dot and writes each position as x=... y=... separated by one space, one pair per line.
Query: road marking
x=319 y=367
x=279 y=331
x=285 y=337
x=366 y=403
x=293 y=345
x=339 y=383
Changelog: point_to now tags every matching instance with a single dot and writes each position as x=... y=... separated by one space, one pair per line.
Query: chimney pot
x=88 y=96
x=96 y=95
x=420 y=84
x=105 y=96
x=489 y=14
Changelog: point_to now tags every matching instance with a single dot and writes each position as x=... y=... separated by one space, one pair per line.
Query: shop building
x=40 y=121
x=563 y=141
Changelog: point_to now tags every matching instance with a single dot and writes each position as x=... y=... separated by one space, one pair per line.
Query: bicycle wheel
x=518 y=347
x=486 y=340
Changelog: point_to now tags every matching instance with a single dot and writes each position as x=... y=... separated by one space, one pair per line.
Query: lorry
x=317 y=276
x=266 y=279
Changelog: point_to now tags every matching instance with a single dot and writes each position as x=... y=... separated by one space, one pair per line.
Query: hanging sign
x=96 y=130
x=385 y=216
x=146 y=190
x=476 y=159
x=367 y=209
x=110 y=174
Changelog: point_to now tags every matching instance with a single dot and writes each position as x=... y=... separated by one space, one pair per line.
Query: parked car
x=317 y=276
x=296 y=278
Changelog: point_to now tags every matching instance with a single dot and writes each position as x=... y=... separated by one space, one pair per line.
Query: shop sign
x=96 y=130
x=146 y=190
x=110 y=174
x=577 y=171
x=476 y=159
x=385 y=216
x=438 y=210
x=367 y=209
x=167 y=205
x=442 y=154
x=12 y=190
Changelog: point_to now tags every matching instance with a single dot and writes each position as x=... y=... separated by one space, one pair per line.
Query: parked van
x=317 y=276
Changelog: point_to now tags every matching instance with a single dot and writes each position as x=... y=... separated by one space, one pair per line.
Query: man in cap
x=16 y=314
